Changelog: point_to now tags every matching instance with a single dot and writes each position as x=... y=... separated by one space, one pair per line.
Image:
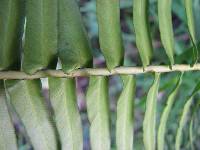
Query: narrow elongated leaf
x=110 y=38
x=190 y=19
x=26 y=98
x=191 y=133
x=196 y=8
x=191 y=26
x=149 y=124
x=184 y=116
x=125 y=114
x=11 y=26
x=166 y=29
x=73 y=44
x=40 y=48
x=98 y=113
x=165 y=114
x=143 y=38
x=67 y=117
x=7 y=133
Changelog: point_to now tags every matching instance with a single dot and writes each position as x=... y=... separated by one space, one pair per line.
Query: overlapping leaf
x=40 y=48
x=7 y=133
x=165 y=114
x=98 y=113
x=125 y=114
x=26 y=98
x=149 y=124
x=11 y=26
x=67 y=117
x=73 y=44
x=142 y=33
x=110 y=38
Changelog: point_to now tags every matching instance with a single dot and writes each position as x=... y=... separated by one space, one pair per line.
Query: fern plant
x=36 y=35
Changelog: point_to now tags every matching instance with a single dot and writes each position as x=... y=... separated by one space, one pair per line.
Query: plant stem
x=96 y=72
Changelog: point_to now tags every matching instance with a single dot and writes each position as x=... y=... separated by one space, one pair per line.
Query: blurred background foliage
x=168 y=80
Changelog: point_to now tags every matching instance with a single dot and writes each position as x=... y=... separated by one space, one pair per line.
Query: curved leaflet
x=98 y=112
x=40 y=47
x=191 y=133
x=191 y=26
x=73 y=44
x=149 y=123
x=125 y=114
x=110 y=38
x=166 y=29
x=67 y=117
x=7 y=133
x=26 y=98
x=165 y=114
x=142 y=33
x=184 y=116
x=11 y=27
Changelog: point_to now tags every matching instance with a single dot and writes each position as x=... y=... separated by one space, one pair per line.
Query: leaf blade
x=125 y=114
x=110 y=37
x=26 y=98
x=73 y=54
x=191 y=27
x=12 y=20
x=98 y=112
x=165 y=114
x=149 y=123
x=7 y=132
x=166 y=29
x=63 y=100
x=183 y=119
x=40 y=48
x=142 y=33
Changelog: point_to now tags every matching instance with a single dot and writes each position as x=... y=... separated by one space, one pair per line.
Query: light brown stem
x=96 y=72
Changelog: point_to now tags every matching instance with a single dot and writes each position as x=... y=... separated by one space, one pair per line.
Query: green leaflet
x=67 y=117
x=191 y=136
x=191 y=26
x=125 y=114
x=7 y=133
x=190 y=19
x=196 y=8
x=40 y=47
x=73 y=44
x=26 y=98
x=110 y=38
x=11 y=26
x=142 y=33
x=184 y=116
x=165 y=114
x=98 y=112
x=191 y=133
x=166 y=29
x=149 y=124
